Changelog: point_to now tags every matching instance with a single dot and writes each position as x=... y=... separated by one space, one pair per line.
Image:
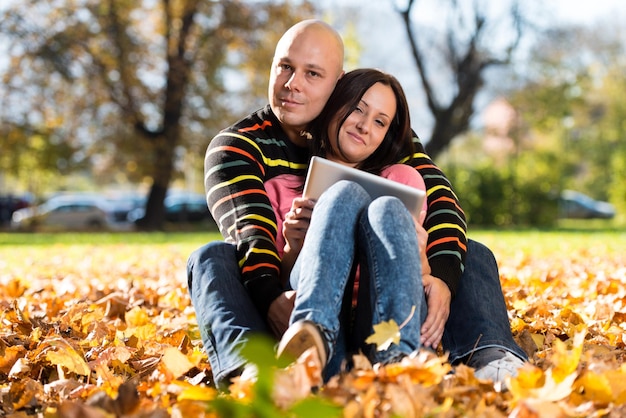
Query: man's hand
x=280 y=311
x=438 y=298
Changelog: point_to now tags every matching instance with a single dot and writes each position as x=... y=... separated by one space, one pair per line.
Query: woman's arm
x=295 y=226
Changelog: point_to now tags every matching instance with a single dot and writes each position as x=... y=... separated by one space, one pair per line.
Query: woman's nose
x=362 y=125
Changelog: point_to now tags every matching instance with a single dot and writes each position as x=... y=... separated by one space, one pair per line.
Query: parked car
x=123 y=204
x=576 y=205
x=180 y=207
x=65 y=212
x=186 y=207
x=9 y=204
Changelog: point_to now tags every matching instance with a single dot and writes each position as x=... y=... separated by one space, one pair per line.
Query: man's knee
x=479 y=254
x=198 y=261
x=478 y=249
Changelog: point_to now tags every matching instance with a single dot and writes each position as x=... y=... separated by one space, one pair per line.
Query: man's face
x=305 y=69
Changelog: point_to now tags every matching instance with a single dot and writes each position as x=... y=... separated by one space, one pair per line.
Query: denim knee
x=388 y=205
x=220 y=250
x=346 y=190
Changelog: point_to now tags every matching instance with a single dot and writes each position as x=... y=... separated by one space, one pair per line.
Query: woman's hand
x=422 y=241
x=296 y=224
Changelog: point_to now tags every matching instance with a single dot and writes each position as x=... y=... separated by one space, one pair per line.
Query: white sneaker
x=498 y=370
x=299 y=337
x=250 y=373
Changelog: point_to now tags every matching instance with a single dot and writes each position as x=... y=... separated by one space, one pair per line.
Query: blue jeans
x=478 y=315
x=226 y=315
x=348 y=228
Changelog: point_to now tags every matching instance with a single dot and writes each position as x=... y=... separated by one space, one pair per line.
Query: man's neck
x=295 y=135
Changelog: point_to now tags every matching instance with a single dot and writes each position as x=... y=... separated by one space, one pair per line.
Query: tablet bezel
x=323 y=173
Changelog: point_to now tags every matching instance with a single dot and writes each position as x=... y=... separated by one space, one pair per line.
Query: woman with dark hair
x=365 y=124
x=345 y=99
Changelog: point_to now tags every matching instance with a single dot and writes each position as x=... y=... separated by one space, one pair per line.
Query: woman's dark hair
x=398 y=142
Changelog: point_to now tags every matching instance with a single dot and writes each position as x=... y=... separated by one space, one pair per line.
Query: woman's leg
x=324 y=266
x=391 y=263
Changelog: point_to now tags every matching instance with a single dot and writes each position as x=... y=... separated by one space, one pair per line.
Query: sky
x=585 y=11
x=384 y=42
x=381 y=32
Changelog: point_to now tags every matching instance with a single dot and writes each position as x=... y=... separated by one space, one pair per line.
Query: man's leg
x=478 y=331
x=225 y=313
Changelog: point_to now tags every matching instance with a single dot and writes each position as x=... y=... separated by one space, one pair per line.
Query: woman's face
x=365 y=128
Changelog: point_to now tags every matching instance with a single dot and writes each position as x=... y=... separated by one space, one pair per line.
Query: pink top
x=282 y=189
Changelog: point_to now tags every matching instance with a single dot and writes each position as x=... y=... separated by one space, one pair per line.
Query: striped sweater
x=255 y=149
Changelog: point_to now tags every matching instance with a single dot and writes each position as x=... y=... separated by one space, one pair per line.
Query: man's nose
x=294 y=82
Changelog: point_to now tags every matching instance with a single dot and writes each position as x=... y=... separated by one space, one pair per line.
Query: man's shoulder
x=259 y=124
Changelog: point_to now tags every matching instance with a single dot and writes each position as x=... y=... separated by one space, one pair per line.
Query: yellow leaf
x=551 y=391
x=566 y=361
x=66 y=356
x=528 y=377
x=385 y=334
x=196 y=393
x=176 y=362
x=137 y=317
x=595 y=387
x=143 y=333
x=538 y=339
x=617 y=380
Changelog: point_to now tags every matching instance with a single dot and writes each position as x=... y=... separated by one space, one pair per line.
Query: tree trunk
x=165 y=144
x=154 y=217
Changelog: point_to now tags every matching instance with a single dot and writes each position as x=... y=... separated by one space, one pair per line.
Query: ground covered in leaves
x=108 y=331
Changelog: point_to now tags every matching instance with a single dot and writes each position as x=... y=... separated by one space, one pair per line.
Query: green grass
x=107 y=238
x=575 y=236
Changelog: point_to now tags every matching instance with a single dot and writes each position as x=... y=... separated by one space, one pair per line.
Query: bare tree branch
x=467 y=60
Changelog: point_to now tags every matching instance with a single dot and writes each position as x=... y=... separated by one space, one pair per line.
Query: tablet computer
x=324 y=173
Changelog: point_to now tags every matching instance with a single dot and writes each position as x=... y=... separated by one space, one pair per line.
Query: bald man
x=307 y=63
x=235 y=284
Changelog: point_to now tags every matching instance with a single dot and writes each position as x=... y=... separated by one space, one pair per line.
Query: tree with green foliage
x=570 y=134
x=572 y=96
x=134 y=85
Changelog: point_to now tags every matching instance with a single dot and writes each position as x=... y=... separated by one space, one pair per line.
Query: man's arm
x=445 y=222
x=234 y=173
